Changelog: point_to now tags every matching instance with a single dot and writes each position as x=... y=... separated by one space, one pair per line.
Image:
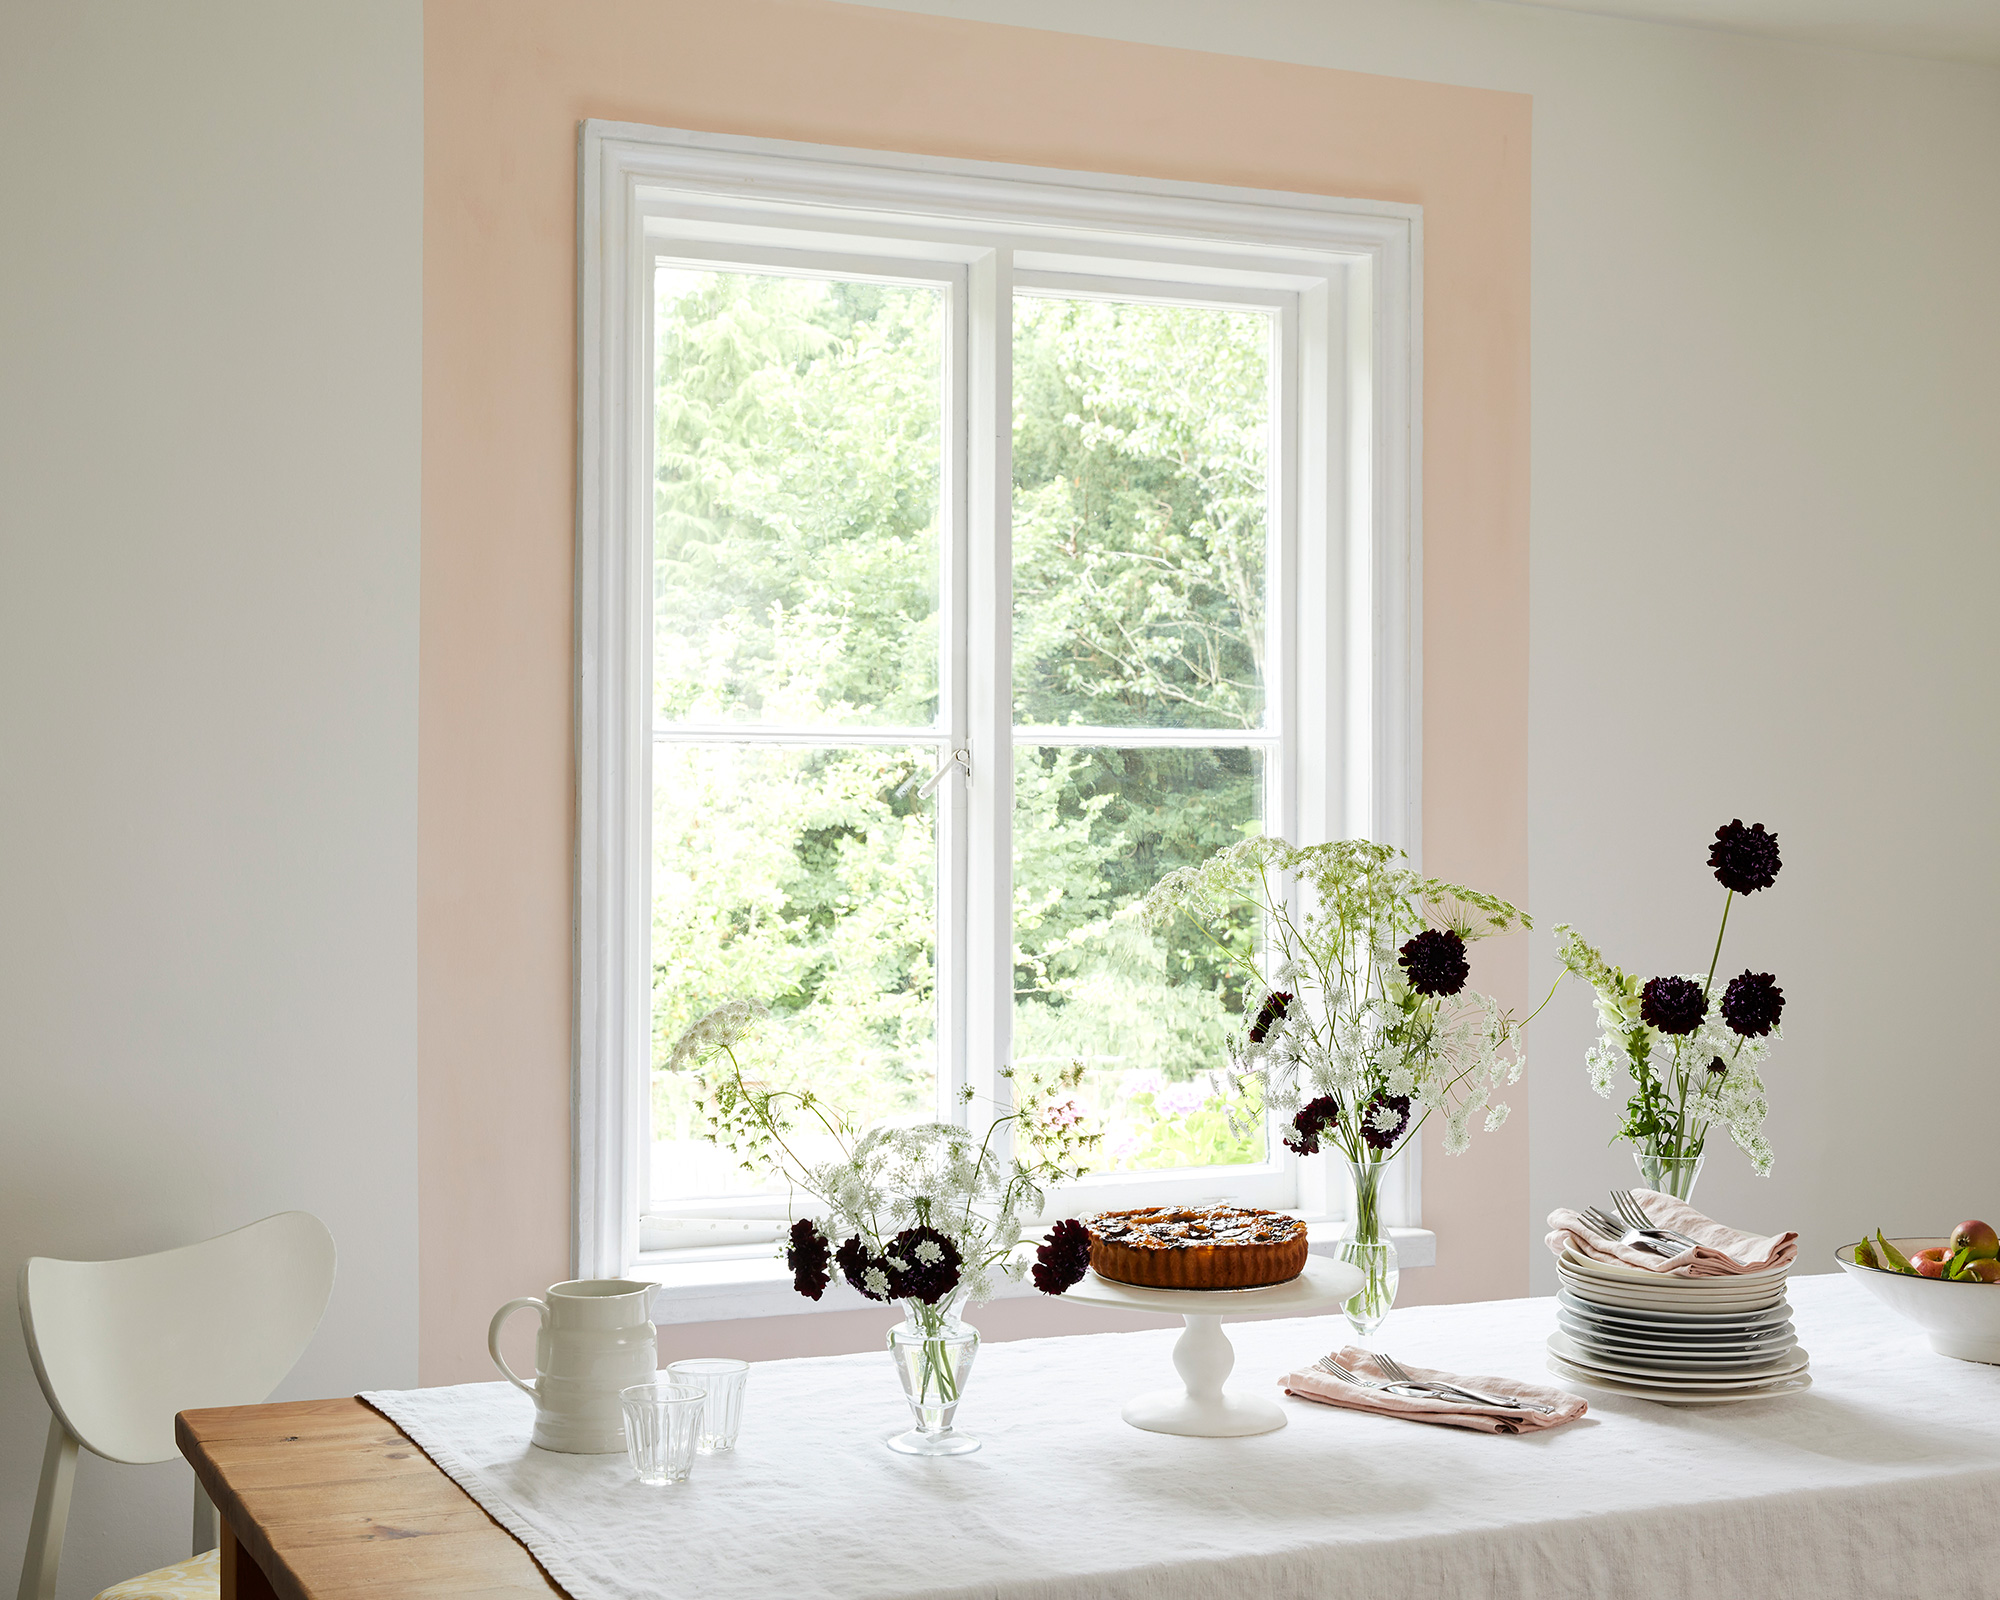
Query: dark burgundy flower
x=1673 y=1005
x=1745 y=859
x=923 y=1265
x=1063 y=1257
x=1383 y=1138
x=1752 y=1004
x=1271 y=1012
x=808 y=1255
x=1717 y=1067
x=855 y=1262
x=1435 y=962
x=1314 y=1118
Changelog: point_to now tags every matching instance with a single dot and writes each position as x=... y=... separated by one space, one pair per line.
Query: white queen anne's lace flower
x=721 y=1029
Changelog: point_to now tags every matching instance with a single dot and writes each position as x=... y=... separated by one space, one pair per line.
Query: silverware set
x=1633 y=1228
x=1401 y=1383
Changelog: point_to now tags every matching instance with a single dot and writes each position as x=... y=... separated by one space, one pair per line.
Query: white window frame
x=1350 y=273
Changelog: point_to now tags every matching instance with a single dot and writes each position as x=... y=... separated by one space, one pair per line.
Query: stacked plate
x=1682 y=1340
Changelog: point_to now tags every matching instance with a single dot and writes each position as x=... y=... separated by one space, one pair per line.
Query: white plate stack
x=1687 y=1341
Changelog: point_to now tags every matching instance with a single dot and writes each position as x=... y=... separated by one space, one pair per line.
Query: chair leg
x=204 y=1521
x=51 y=1519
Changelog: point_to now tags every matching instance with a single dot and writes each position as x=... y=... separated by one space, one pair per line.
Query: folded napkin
x=1722 y=1251
x=1310 y=1384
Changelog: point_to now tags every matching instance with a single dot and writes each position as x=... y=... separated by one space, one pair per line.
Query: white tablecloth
x=1882 y=1480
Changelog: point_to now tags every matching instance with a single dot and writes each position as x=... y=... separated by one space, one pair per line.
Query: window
x=960 y=549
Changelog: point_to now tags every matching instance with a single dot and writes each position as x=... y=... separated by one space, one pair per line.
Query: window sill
x=711 y=1290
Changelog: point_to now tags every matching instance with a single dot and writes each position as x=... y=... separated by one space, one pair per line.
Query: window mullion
x=989 y=951
x=953 y=836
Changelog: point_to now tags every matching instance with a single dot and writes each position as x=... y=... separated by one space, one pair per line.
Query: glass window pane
x=1149 y=1011
x=798 y=428
x=805 y=878
x=1141 y=513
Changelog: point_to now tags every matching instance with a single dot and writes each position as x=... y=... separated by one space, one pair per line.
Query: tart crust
x=1204 y=1247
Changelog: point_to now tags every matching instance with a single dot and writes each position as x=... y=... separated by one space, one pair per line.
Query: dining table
x=1881 y=1479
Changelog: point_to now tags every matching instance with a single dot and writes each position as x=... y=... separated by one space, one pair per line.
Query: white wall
x=1766 y=501
x=209 y=366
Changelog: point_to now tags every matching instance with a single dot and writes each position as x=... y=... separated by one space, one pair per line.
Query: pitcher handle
x=493 y=1339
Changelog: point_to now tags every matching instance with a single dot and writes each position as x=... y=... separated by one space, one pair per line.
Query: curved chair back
x=121 y=1346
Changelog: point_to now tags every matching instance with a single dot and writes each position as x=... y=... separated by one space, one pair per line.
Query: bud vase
x=1365 y=1245
x=1674 y=1175
x=933 y=1352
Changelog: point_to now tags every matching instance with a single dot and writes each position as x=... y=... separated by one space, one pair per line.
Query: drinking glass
x=722 y=1381
x=661 y=1421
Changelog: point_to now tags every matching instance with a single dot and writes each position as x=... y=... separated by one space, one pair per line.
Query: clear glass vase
x=933 y=1351
x=1366 y=1245
x=1674 y=1175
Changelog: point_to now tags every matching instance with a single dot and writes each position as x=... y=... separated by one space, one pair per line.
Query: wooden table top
x=332 y=1501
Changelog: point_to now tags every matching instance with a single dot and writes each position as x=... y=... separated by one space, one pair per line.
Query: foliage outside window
x=798 y=505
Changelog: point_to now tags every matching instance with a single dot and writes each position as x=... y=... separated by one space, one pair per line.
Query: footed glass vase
x=1365 y=1245
x=1674 y=1175
x=933 y=1351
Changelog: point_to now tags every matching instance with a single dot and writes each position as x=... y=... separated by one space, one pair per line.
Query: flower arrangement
x=929 y=1215
x=1693 y=1058
x=1366 y=1028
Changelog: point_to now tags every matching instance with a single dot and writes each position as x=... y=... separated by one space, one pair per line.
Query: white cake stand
x=1203 y=1355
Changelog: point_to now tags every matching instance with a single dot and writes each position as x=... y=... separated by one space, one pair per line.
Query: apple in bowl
x=1961 y=1316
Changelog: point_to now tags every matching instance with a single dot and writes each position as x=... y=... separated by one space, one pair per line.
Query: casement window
x=961 y=548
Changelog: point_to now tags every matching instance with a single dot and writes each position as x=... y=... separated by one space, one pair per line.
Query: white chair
x=121 y=1346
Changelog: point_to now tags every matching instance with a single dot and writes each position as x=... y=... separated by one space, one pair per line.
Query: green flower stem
x=936 y=1374
x=1368 y=1201
x=1370 y=1303
x=1728 y=899
x=1530 y=1017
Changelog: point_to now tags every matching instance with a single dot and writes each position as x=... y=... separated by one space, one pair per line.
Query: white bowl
x=1962 y=1319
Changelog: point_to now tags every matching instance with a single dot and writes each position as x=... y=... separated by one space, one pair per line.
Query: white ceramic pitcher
x=596 y=1338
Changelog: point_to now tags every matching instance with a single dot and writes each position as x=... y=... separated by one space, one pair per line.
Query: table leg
x=1201 y=1408
x=242 y=1578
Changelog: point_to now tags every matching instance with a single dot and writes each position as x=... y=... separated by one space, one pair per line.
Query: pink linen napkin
x=1309 y=1384
x=1722 y=1252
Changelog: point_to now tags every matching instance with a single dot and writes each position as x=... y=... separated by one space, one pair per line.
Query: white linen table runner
x=1882 y=1480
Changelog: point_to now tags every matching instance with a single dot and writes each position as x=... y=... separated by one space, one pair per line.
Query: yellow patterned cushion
x=197 y=1578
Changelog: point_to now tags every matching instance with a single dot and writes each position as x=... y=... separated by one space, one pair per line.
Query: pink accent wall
x=505 y=83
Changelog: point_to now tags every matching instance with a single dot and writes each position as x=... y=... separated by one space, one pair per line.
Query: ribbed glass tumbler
x=722 y=1380
x=662 y=1420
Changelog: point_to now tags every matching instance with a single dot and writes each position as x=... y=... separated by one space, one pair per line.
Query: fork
x=1626 y=1204
x=1611 y=1228
x=1402 y=1375
x=1333 y=1369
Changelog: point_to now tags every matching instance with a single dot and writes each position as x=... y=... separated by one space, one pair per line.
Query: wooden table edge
x=253 y=1568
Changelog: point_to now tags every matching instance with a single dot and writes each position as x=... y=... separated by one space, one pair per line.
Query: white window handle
x=959 y=758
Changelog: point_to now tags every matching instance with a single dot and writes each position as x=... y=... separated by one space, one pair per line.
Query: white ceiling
x=1957 y=30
